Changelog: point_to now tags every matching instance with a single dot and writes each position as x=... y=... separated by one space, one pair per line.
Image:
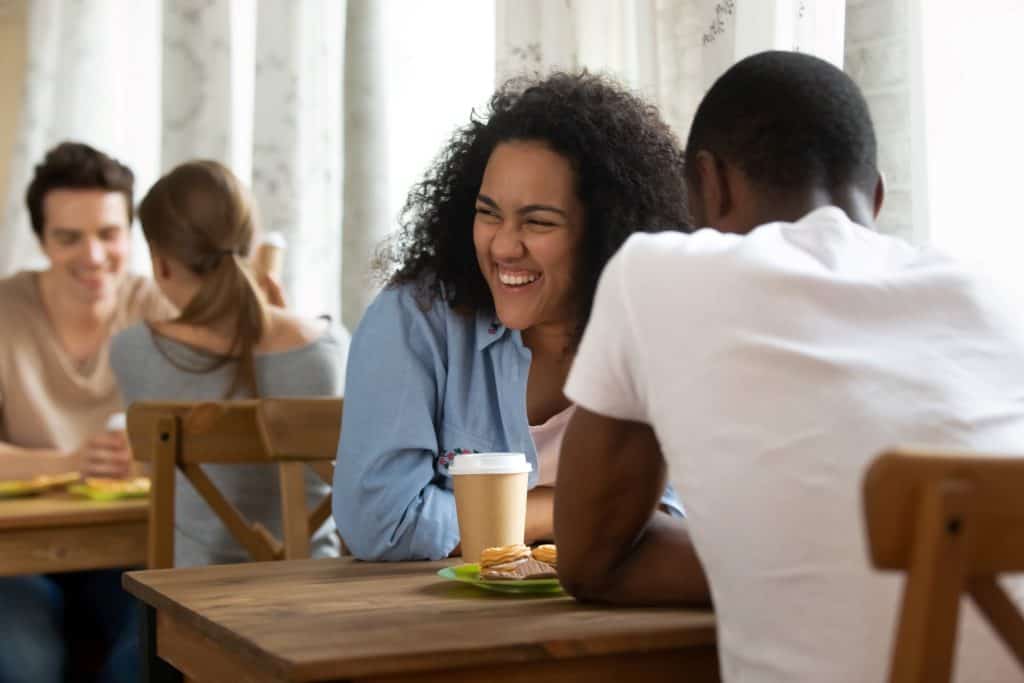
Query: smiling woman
x=490 y=284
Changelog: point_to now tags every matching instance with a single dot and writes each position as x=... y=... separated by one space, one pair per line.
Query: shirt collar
x=488 y=329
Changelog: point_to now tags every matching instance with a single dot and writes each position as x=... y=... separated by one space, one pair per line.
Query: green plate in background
x=470 y=573
x=96 y=494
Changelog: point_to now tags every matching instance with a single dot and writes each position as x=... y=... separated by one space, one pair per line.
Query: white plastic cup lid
x=490 y=463
x=275 y=239
x=117 y=422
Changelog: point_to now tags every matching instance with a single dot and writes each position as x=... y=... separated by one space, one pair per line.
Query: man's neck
x=794 y=206
x=67 y=313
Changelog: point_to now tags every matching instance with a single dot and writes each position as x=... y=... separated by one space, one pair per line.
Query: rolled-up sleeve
x=389 y=503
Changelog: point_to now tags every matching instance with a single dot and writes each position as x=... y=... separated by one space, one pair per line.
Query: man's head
x=779 y=134
x=80 y=205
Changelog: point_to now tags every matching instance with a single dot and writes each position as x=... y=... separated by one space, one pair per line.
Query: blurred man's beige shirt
x=47 y=400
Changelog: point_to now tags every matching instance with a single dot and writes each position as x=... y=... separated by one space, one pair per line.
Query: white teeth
x=516 y=280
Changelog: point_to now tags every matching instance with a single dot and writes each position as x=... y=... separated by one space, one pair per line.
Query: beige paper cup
x=269 y=256
x=490 y=500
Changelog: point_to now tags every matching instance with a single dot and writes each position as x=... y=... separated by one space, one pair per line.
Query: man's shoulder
x=668 y=246
x=670 y=261
x=141 y=299
x=17 y=294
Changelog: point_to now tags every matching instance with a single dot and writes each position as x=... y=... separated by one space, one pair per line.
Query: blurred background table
x=58 y=532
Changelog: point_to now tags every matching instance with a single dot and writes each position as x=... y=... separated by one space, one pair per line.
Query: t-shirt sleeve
x=607 y=376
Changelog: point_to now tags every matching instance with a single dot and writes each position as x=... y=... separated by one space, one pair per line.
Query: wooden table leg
x=154 y=669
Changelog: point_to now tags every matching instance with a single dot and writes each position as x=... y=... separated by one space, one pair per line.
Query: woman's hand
x=272 y=290
x=540 y=514
x=106 y=454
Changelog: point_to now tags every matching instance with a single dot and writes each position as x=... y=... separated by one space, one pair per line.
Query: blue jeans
x=32 y=625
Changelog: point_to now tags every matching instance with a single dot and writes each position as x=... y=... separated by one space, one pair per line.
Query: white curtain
x=329 y=109
x=670 y=50
x=80 y=85
x=258 y=86
x=332 y=109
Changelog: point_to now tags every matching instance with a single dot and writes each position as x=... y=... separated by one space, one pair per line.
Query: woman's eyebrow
x=542 y=207
x=484 y=199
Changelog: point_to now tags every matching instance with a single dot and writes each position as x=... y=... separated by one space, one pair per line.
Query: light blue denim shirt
x=422 y=386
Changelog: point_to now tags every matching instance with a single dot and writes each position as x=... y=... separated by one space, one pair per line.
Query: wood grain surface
x=57 y=532
x=340 y=619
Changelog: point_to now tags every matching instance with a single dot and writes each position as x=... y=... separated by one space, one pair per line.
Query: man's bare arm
x=613 y=543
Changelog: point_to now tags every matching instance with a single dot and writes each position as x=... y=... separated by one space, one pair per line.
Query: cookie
x=526 y=569
x=503 y=555
x=548 y=554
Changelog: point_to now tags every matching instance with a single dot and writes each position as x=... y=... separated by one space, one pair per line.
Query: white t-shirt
x=773 y=368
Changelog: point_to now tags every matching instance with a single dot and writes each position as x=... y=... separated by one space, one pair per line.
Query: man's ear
x=879 y=194
x=713 y=186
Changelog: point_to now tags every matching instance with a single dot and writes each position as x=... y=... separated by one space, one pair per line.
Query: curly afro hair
x=629 y=175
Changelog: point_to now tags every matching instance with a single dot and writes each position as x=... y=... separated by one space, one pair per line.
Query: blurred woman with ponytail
x=228 y=342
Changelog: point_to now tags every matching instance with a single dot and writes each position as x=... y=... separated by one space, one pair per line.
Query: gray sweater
x=145 y=374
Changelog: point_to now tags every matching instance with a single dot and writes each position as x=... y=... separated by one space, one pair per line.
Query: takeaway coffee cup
x=269 y=257
x=490 y=500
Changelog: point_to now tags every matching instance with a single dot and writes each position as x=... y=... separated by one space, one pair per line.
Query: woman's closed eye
x=487 y=213
x=540 y=224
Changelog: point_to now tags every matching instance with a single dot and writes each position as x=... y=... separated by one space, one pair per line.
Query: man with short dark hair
x=57 y=393
x=56 y=387
x=762 y=363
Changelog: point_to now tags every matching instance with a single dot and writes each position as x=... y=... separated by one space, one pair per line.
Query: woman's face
x=527 y=231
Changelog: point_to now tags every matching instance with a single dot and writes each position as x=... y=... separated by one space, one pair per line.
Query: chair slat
x=893 y=487
x=954 y=521
x=293 y=433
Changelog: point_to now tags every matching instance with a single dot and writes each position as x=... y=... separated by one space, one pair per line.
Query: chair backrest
x=291 y=433
x=953 y=521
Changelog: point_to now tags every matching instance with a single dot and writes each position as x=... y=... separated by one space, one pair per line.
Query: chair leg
x=1001 y=613
x=160 y=544
x=294 y=522
x=923 y=651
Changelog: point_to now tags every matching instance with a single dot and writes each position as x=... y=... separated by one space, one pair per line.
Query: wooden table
x=58 y=532
x=343 y=620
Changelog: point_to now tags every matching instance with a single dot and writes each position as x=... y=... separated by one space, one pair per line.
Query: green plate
x=18 y=488
x=94 y=494
x=470 y=573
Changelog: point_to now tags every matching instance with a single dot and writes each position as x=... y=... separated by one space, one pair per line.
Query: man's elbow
x=584 y=580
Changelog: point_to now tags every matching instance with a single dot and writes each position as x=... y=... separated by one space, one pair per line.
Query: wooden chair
x=952 y=521
x=291 y=433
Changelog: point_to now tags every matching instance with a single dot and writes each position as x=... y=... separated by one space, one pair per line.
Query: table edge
x=87 y=517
